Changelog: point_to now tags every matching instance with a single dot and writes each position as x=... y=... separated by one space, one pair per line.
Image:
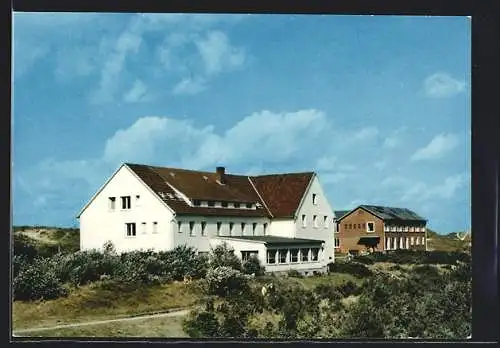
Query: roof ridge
x=278 y=174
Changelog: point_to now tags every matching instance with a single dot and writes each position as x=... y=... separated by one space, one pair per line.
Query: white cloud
x=326 y=163
x=420 y=192
x=138 y=93
x=366 y=133
x=218 y=54
x=189 y=86
x=439 y=146
x=442 y=85
x=333 y=178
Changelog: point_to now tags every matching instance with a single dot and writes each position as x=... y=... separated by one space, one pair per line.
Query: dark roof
x=281 y=193
x=339 y=213
x=391 y=213
x=273 y=240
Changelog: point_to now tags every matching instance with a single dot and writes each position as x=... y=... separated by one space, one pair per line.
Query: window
x=196 y=202
x=224 y=204
x=282 y=256
x=125 y=202
x=304 y=221
x=265 y=228
x=231 y=227
x=211 y=203
x=294 y=255
x=417 y=241
x=423 y=240
x=314 y=254
x=137 y=200
x=325 y=221
x=271 y=256
x=363 y=225
x=191 y=229
x=370 y=227
x=254 y=227
x=359 y=226
x=249 y=205
x=155 y=227
x=130 y=229
x=179 y=226
x=337 y=243
x=315 y=200
x=345 y=226
x=236 y=205
x=143 y=228
x=203 y=228
x=315 y=221
x=350 y=226
x=219 y=224
x=243 y=227
x=112 y=203
x=412 y=240
x=304 y=255
x=245 y=255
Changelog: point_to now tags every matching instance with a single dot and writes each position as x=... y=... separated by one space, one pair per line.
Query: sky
x=377 y=106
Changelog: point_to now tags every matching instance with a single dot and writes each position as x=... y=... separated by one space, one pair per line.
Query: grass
x=151 y=327
x=99 y=301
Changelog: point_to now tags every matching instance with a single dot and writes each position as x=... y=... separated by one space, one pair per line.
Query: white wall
x=98 y=224
x=202 y=243
x=282 y=228
x=240 y=245
x=260 y=247
x=321 y=209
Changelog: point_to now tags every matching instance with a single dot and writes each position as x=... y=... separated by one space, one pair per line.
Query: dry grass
x=151 y=327
x=94 y=302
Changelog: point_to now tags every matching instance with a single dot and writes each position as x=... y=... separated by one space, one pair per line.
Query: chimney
x=221 y=171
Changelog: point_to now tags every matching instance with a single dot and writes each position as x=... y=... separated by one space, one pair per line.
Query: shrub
x=328 y=292
x=84 y=267
x=253 y=266
x=225 y=281
x=356 y=269
x=36 y=281
x=24 y=246
x=348 y=288
x=223 y=256
x=365 y=259
x=295 y=274
x=19 y=262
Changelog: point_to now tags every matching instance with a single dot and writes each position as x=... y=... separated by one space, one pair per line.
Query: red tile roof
x=280 y=193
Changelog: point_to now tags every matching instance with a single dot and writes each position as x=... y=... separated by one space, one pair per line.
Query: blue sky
x=378 y=106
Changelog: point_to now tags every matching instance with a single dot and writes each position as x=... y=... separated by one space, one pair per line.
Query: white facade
x=323 y=212
x=158 y=228
x=99 y=223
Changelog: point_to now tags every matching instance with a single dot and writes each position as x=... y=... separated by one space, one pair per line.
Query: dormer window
x=211 y=203
x=196 y=202
x=249 y=205
x=315 y=199
x=236 y=205
x=224 y=204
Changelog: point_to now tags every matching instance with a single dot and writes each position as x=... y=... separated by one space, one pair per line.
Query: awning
x=369 y=240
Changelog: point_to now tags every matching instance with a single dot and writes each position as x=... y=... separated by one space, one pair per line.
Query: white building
x=284 y=219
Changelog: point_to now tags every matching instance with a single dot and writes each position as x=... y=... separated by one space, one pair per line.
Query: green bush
x=354 y=268
x=295 y=274
x=24 y=246
x=223 y=256
x=36 y=281
x=328 y=292
x=225 y=281
x=365 y=259
x=348 y=288
x=253 y=266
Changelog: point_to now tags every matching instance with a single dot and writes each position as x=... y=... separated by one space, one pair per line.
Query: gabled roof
x=280 y=193
x=339 y=213
x=390 y=213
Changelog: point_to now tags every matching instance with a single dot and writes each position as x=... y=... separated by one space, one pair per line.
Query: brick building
x=379 y=228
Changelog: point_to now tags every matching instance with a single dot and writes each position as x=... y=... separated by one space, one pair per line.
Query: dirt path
x=97 y=322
